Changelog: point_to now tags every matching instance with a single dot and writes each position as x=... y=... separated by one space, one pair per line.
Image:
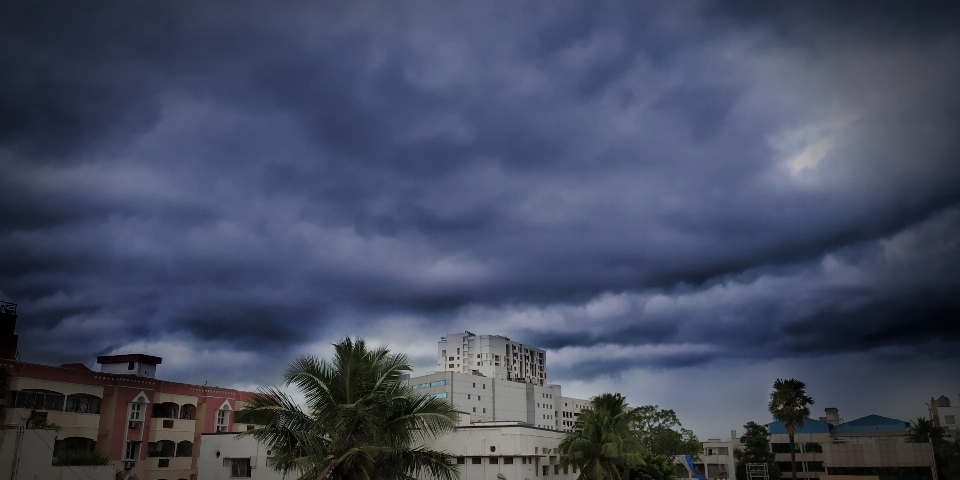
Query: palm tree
x=924 y=431
x=603 y=444
x=790 y=404
x=361 y=420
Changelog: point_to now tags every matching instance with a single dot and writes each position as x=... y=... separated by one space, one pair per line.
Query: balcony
x=172 y=463
x=171 y=429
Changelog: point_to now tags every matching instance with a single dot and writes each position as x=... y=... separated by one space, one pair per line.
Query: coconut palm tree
x=360 y=422
x=790 y=404
x=602 y=443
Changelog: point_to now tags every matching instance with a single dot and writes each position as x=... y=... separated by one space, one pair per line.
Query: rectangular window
x=780 y=447
x=484 y=410
x=163 y=463
x=240 y=468
x=475 y=460
x=546 y=470
x=950 y=419
x=468 y=396
x=451 y=366
x=494 y=460
x=223 y=422
x=484 y=386
x=461 y=460
x=474 y=409
x=508 y=460
x=439 y=395
x=136 y=411
x=812 y=448
x=132 y=451
x=168 y=424
x=129 y=365
x=815 y=467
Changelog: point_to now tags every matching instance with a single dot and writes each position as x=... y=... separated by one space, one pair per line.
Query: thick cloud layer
x=643 y=188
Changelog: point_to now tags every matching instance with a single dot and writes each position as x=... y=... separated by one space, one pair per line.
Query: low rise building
x=870 y=445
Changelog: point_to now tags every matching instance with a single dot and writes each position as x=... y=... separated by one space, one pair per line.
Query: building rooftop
x=131 y=357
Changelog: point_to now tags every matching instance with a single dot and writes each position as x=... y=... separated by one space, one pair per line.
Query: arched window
x=185 y=449
x=188 y=412
x=165 y=410
x=73 y=445
x=163 y=448
x=83 y=403
x=36 y=399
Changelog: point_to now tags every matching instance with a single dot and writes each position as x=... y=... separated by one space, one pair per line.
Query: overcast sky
x=680 y=201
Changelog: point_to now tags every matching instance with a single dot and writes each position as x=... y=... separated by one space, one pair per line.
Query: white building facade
x=494 y=379
x=945 y=415
x=493 y=356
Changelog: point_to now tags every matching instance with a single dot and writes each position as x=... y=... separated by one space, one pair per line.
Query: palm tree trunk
x=793 y=458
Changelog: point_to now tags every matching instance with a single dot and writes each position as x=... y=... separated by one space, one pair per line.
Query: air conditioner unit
x=134 y=425
x=129 y=465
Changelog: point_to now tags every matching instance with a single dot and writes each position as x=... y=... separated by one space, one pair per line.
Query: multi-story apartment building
x=492 y=356
x=945 y=416
x=149 y=427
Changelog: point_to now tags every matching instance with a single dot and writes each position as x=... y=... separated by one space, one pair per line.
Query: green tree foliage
x=654 y=467
x=661 y=433
x=755 y=444
x=80 y=459
x=361 y=420
x=790 y=404
x=603 y=444
x=923 y=430
x=946 y=453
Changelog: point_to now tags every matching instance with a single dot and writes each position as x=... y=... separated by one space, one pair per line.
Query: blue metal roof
x=809 y=426
x=871 y=424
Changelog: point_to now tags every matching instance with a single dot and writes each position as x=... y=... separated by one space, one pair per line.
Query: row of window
x=812 y=447
x=470 y=397
x=167 y=448
x=36 y=399
x=545 y=406
x=802 y=467
x=438 y=383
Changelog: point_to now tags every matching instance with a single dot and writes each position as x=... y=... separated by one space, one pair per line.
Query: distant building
x=944 y=415
x=510 y=426
x=493 y=356
x=150 y=428
x=505 y=382
x=715 y=462
x=868 y=446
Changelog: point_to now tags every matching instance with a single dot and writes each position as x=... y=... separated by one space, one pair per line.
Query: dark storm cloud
x=676 y=182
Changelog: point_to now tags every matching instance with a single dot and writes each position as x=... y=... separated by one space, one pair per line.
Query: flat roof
x=130 y=357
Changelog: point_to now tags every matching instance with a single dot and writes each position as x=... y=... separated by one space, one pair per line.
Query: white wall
x=35 y=449
x=214 y=448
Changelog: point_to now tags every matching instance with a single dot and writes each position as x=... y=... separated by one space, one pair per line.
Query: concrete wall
x=485 y=450
x=216 y=447
x=33 y=450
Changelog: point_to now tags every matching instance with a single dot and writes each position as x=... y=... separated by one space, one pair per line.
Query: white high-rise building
x=493 y=356
x=494 y=379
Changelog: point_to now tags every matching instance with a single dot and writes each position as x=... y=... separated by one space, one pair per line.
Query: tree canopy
x=360 y=422
x=603 y=443
x=756 y=449
x=661 y=433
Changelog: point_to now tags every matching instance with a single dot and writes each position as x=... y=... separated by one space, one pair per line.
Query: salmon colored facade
x=151 y=428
